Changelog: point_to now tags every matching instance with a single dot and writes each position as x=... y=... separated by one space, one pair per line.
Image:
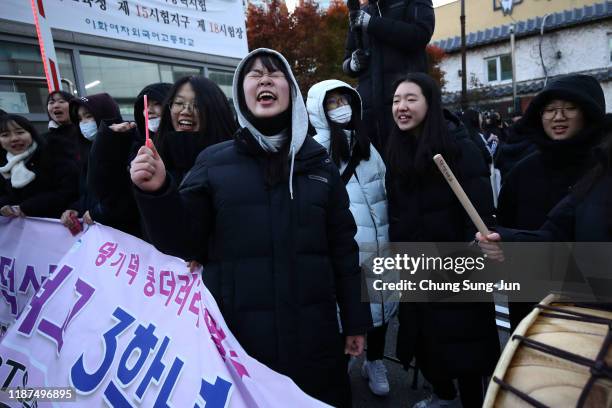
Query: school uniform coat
x=448 y=339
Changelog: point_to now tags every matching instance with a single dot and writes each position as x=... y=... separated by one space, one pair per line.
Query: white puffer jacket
x=366 y=188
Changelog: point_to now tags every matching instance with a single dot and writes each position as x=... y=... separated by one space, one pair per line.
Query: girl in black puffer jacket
x=448 y=340
x=34 y=181
x=566 y=120
x=274 y=213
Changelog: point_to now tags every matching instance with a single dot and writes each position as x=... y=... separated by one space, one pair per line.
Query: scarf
x=16 y=170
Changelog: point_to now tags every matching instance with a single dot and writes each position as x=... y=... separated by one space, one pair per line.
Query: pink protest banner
x=22 y=273
x=124 y=325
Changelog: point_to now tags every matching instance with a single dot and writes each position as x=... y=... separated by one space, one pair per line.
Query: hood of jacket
x=157 y=92
x=102 y=106
x=299 y=116
x=316 y=107
x=584 y=91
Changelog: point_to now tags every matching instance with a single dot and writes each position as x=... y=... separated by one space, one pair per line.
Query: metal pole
x=513 y=58
x=464 y=100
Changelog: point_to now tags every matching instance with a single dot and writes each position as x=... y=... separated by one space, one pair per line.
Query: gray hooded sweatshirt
x=299 y=116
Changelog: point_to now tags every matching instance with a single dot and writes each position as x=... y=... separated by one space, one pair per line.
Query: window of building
x=610 y=47
x=23 y=87
x=499 y=68
x=223 y=79
x=123 y=78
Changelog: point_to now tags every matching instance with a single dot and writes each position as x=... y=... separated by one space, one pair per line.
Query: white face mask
x=89 y=130
x=154 y=124
x=341 y=115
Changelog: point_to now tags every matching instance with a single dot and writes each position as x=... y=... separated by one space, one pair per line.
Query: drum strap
x=598 y=367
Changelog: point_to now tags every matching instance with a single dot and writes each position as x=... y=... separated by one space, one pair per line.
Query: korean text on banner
x=128 y=326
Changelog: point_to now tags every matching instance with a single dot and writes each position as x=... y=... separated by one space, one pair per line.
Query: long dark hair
x=409 y=154
x=338 y=145
x=216 y=120
x=22 y=123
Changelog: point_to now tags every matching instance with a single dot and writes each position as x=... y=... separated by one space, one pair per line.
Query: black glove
x=359 y=61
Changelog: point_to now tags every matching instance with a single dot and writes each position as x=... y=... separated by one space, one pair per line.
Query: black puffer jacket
x=276 y=266
x=108 y=179
x=448 y=339
x=396 y=37
x=427 y=210
x=66 y=136
x=56 y=184
x=516 y=147
x=577 y=218
x=103 y=108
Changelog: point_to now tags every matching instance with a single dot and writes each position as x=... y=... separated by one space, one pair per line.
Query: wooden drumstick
x=463 y=198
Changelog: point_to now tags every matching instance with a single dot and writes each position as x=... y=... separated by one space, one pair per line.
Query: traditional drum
x=559 y=356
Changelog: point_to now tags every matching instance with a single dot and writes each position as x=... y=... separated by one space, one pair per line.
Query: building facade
x=551 y=38
x=92 y=64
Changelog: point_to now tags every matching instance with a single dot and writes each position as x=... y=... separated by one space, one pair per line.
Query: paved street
x=400 y=381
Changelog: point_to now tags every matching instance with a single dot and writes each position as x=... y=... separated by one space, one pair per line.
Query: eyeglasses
x=179 y=106
x=569 y=112
x=335 y=102
x=256 y=74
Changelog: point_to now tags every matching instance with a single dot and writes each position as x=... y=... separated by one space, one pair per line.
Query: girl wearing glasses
x=334 y=109
x=565 y=121
x=196 y=114
x=275 y=215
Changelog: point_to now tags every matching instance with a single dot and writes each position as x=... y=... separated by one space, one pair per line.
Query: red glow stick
x=146 y=113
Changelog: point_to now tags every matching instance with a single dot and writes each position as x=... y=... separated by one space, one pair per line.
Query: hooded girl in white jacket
x=334 y=109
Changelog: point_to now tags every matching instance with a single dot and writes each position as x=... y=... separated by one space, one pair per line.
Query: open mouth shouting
x=266 y=98
x=58 y=115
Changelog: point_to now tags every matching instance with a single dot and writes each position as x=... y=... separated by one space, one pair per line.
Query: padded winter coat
x=366 y=189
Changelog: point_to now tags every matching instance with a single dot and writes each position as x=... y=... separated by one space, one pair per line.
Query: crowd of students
x=280 y=199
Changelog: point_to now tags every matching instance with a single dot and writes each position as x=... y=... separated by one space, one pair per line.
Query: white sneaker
x=376 y=373
x=434 y=402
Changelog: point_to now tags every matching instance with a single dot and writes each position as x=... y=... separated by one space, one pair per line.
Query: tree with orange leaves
x=312 y=40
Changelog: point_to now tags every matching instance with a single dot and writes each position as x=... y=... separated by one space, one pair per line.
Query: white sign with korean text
x=207 y=26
